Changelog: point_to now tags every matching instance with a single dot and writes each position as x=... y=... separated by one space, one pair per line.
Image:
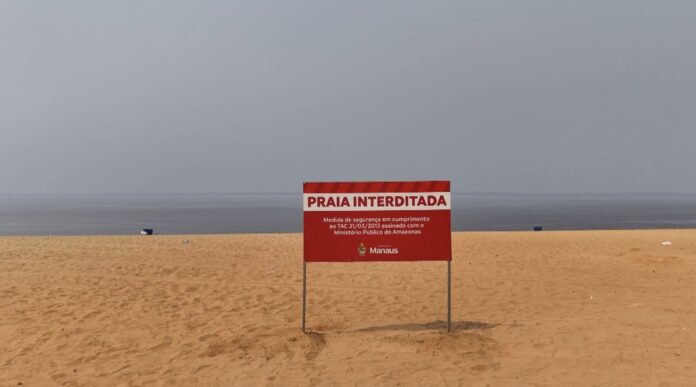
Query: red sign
x=377 y=221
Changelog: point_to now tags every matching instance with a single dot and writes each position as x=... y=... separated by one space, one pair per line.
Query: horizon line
x=498 y=193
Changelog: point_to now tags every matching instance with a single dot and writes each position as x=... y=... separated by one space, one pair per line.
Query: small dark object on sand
x=147 y=231
x=538 y=228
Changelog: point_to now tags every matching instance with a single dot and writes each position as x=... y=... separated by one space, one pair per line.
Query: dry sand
x=549 y=308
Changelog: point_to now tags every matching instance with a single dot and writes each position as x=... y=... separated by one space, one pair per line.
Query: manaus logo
x=362 y=250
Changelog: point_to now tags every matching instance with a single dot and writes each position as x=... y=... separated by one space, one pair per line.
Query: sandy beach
x=549 y=308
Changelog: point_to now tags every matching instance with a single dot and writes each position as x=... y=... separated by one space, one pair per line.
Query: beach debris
x=185 y=241
x=147 y=231
x=666 y=243
x=538 y=228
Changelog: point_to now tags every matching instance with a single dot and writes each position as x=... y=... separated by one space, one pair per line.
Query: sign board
x=377 y=221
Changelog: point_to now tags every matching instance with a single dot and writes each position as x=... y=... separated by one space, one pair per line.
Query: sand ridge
x=577 y=308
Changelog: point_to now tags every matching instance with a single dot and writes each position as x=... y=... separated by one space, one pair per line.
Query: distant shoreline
x=263 y=234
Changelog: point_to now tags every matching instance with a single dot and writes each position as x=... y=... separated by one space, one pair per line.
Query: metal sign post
x=449 y=296
x=304 y=293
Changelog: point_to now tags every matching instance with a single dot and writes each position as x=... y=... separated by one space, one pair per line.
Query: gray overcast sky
x=255 y=96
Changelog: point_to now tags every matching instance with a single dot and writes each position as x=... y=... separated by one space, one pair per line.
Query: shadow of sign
x=433 y=325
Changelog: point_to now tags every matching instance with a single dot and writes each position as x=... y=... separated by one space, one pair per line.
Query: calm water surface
x=223 y=213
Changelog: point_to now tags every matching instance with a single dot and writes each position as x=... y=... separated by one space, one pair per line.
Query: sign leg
x=449 y=296
x=304 y=293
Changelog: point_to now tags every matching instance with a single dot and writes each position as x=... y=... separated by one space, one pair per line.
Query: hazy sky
x=255 y=96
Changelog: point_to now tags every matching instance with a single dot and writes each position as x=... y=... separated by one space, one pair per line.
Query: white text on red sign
x=382 y=201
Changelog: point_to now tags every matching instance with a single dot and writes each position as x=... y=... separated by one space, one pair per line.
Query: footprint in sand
x=208 y=337
x=165 y=343
x=201 y=367
x=217 y=348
